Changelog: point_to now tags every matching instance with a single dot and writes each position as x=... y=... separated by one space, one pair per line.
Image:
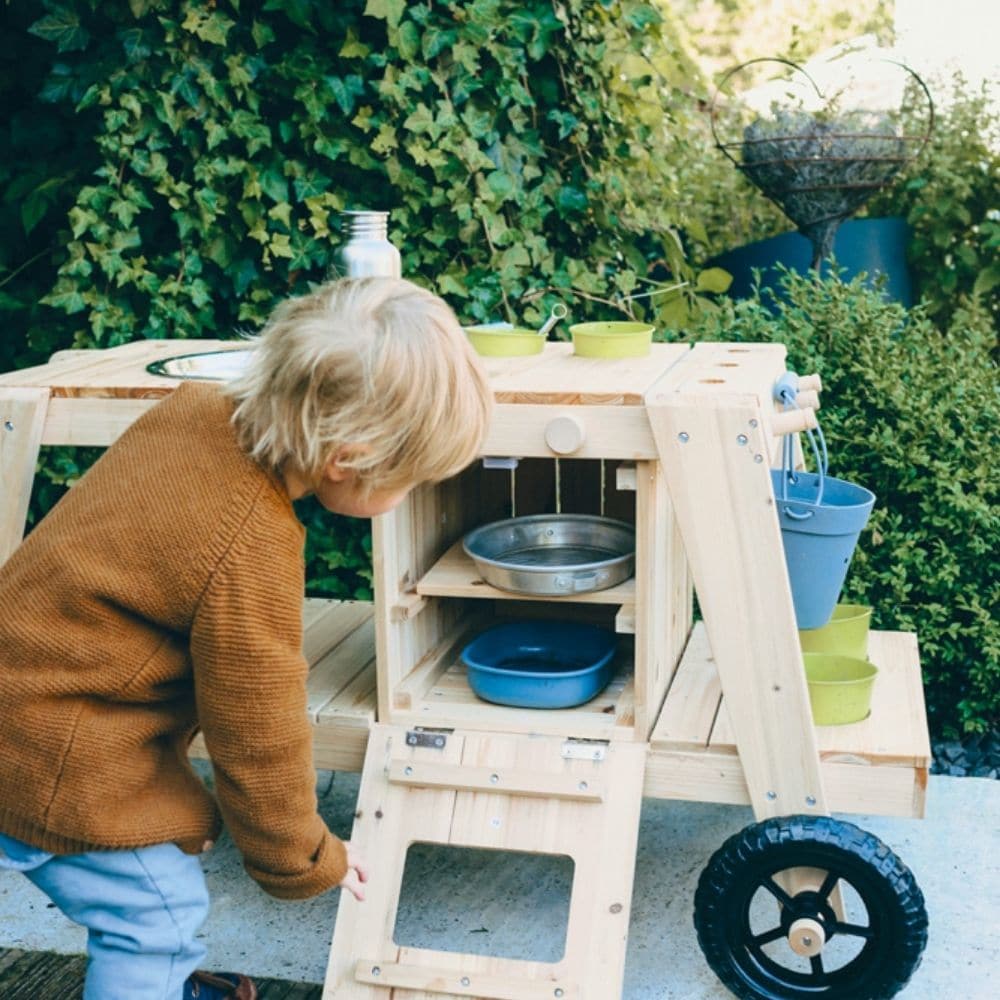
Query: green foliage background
x=176 y=169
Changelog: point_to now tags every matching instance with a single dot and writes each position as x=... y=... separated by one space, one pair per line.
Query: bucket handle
x=785 y=392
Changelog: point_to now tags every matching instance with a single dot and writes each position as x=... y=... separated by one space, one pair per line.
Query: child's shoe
x=219 y=986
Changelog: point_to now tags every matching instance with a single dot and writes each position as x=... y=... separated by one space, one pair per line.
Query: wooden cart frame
x=681 y=442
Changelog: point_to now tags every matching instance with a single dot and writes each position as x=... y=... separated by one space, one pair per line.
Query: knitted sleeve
x=250 y=689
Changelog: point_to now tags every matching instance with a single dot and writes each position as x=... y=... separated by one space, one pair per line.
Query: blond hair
x=375 y=372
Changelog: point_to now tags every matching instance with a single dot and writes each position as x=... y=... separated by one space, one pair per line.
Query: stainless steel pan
x=553 y=555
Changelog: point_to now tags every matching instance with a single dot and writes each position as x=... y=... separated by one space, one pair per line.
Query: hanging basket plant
x=815 y=156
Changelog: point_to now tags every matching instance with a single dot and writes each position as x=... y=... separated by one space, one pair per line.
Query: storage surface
x=879 y=765
x=558 y=376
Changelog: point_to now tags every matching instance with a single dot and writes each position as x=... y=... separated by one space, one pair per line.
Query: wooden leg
x=715 y=458
x=22 y=416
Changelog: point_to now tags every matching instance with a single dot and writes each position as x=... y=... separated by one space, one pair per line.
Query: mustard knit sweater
x=163 y=594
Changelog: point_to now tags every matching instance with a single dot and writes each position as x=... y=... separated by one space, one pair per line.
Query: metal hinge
x=582 y=749
x=422 y=736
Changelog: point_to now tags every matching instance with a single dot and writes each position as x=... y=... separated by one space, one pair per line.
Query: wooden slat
x=327 y=623
x=710 y=776
x=22 y=417
x=495 y=781
x=619 y=432
x=331 y=675
x=692 y=702
x=557 y=376
x=455 y=575
x=459 y=983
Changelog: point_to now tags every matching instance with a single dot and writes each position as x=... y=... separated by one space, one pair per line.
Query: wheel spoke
x=775 y=934
x=775 y=890
x=854 y=930
x=816 y=964
x=828 y=884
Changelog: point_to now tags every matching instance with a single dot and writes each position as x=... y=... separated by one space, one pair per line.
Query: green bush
x=177 y=165
x=951 y=198
x=913 y=415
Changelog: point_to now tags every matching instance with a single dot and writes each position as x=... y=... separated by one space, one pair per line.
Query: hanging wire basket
x=820 y=167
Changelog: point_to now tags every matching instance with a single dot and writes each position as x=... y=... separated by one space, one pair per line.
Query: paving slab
x=471 y=901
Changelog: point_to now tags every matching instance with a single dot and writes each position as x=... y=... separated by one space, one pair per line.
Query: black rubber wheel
x=742 y=915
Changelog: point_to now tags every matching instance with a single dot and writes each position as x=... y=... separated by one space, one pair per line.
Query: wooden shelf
x=455 y=575
x=450 y=702
x=878 y=765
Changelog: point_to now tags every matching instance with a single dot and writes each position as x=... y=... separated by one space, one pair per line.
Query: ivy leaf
x=63 y=27
x=713 y=279
x=571 y=199
x=408 y=40
x=986 y=280
x=386 y=10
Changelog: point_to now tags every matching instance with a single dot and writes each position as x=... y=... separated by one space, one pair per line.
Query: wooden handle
x=810 y=383
x=564 y=435
x=807 y=398
x=793 y=421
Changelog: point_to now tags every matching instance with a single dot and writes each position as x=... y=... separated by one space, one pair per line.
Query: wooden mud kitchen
x=680 y=444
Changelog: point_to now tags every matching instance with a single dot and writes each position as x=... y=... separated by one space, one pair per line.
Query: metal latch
x=420 y=736
x=583 y=749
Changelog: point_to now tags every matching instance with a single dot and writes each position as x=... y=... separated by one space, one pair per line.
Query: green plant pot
x=506 y=342
x=840 y=688
x=846 y=633
x=611 y=340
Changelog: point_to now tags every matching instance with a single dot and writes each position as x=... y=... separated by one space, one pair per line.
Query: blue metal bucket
x=821 y=519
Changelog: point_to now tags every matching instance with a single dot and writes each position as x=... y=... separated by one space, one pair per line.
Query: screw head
x=582 y=786
x=376 y=971
x=810 y=800
x=465 y=981
x=753 y=423
x=412 y=740
x=758 y=458
x=807 y=941
x=558 y=992
x=771 y=796
x=439 y=741
x=407 y=770
x=683 y=437
x=615 y=908
x=494 y=778
x=742 y=439
x=8 y=425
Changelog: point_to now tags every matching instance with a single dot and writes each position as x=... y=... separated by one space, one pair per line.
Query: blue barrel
x=819 y=537
x=876 y=247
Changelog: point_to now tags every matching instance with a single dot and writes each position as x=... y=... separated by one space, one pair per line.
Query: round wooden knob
x=564 y=435
x=810 y=383
x=806 y=937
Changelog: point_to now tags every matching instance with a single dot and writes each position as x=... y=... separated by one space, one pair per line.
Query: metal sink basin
x=210 y=366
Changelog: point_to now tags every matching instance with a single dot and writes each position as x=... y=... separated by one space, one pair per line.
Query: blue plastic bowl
x=540 y=664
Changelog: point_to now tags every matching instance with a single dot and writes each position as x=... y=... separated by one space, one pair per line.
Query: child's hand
x=357 y=873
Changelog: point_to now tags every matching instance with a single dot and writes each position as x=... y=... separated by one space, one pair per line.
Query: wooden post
x=22 y=416
x=713 y=449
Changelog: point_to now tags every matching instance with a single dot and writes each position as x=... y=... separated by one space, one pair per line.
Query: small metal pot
x=553 y=555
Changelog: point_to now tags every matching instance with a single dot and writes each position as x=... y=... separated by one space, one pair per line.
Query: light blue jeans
x=142 y=909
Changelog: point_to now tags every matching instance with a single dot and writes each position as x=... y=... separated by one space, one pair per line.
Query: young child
x=163 y=595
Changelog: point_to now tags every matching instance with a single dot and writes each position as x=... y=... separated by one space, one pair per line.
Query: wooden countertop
x=556 y=376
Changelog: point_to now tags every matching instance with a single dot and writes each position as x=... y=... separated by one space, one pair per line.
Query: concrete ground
x=470 y=904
